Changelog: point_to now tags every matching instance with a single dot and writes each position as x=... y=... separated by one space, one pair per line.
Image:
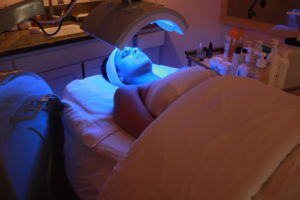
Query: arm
x=130 y=112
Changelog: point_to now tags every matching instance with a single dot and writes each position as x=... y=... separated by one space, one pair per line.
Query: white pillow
x=164 y=91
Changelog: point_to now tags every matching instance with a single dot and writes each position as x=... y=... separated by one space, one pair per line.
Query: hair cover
x=111 y=70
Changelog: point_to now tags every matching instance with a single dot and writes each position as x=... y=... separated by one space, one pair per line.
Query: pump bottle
x=244 y=68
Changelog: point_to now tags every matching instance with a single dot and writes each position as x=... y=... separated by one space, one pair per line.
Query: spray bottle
x=273 y=60
x=234 y=34
x=283 y=69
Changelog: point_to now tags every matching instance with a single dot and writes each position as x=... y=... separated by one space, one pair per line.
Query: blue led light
x=168 y=26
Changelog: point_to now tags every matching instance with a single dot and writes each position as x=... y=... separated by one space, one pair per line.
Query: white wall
x=202 y=17
x=204 y=26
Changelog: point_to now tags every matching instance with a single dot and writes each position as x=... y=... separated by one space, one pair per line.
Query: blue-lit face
x=132 y=62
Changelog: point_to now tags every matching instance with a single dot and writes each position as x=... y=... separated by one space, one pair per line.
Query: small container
x=223 y=68
x=213 y=62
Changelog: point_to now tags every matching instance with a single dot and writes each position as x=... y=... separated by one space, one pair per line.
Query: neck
x=144 y=78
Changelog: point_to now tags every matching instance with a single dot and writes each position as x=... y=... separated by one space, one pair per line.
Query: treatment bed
x=219 y=138
x=223 y=138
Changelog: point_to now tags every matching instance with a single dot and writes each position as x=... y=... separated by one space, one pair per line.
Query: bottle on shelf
x=283 y=69
x=234 y=35
x=236 y=61
x=244 y=68
x=209 y=51
x=227 y=47
x=201 y=52
x=259 y=72
x=273 y=61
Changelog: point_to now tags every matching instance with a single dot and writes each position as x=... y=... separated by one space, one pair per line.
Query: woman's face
x=131 y=62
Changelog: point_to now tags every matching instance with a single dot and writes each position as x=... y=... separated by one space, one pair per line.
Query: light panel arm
x=19 y=12
x=116 y=24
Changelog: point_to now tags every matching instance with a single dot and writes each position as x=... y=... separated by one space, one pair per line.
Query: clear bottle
x=234 y=35
x=200 y=52
x=283 y=69
x=273 y=61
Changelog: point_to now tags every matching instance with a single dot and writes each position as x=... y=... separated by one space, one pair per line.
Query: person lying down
x=144 y=94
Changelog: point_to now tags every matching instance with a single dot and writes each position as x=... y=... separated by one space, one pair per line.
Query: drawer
x=6 y=65
x=55 y=58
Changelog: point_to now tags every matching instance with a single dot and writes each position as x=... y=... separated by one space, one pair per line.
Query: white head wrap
x=111 y=70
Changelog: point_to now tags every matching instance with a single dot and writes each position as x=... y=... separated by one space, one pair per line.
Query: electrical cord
x=60 y=19
x=50 y=163
x=43 y=30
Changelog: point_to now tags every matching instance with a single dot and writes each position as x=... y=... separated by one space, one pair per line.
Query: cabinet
x=6 y=65
x=61 y=64
x=59 y=78
x=93 y=67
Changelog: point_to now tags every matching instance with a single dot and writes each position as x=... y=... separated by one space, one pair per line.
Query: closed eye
x=125 y=53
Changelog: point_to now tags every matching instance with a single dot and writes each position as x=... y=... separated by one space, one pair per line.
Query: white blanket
x=221 y=140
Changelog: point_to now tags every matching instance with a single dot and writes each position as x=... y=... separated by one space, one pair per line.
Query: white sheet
x=221 y=140
x=94 y=142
